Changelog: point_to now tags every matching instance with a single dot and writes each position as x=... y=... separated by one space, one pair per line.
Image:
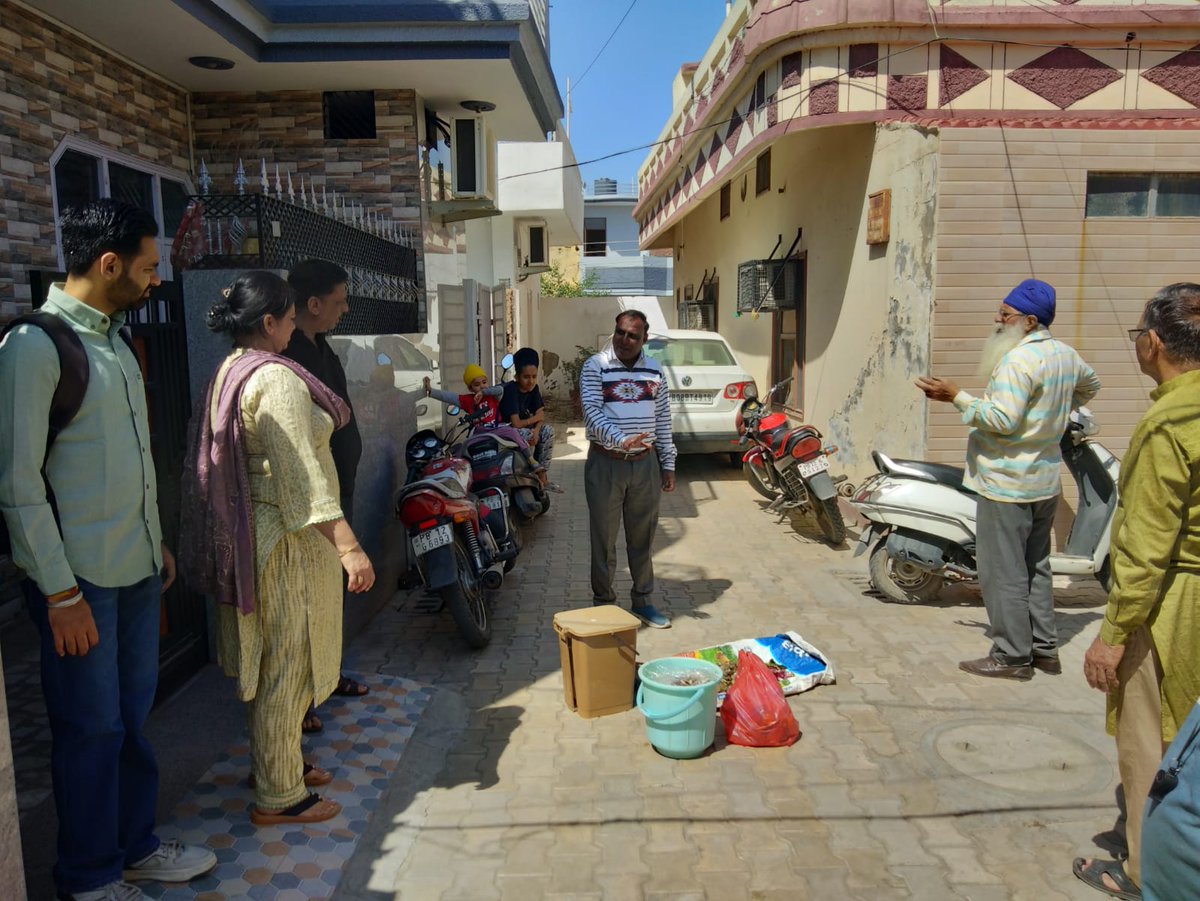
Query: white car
x=707 y=387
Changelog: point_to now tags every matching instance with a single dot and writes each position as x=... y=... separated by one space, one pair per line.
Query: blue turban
x=1034 y=298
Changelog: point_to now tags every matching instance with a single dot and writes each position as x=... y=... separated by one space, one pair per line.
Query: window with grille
x=1142 y=194
x=701 y=313
x=81 y=172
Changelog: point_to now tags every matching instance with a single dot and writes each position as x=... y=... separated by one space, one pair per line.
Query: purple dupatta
x=216 y=552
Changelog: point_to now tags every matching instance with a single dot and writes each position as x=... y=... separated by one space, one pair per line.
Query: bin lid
x=602 y=620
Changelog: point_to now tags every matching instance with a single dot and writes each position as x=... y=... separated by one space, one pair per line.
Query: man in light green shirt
x=95 y=570
x=1147 y=655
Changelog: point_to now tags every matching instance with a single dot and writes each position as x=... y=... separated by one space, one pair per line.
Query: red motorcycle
x=789 y=465
x=460 y=538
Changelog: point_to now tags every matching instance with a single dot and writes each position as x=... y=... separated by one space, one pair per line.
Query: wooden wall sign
x=879 y=216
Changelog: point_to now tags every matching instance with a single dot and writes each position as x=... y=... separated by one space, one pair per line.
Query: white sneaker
x=114 y=891
x=173 y=862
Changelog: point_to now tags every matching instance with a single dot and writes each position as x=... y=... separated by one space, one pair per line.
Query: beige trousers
x=1140 y=745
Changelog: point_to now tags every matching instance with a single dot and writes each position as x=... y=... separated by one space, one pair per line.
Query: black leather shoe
x=1049 y=664
x=990 y=666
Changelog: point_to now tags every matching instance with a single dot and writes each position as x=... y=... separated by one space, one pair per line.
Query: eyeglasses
x=1135 y=333
x=1005 y=315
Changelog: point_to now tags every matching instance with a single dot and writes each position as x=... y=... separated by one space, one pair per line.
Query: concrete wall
x=1011 y=206
x=569 y=321
x=622 y=227
x=868 y=307
x=55 y=85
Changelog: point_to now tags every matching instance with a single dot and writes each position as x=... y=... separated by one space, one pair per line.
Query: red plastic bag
x=755 y=712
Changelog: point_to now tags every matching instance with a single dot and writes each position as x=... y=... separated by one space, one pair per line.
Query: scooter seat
x=941 y=473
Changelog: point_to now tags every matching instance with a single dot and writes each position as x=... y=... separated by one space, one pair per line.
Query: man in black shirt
x=321 y=292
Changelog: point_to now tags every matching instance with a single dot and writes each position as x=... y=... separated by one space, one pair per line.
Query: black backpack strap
x=72 y=364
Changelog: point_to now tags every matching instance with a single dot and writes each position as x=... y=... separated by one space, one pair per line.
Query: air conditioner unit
x=770 y=285
x=473 y=158
x=534 y=248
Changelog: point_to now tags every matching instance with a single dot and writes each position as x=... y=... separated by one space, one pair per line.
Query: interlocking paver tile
x=511 y=795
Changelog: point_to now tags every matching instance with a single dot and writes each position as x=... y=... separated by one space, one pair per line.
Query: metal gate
x=161 y=340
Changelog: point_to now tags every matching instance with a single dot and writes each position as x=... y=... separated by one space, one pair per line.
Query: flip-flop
x=314 y=776
x=313 y=809
x=1093 y=874
x=348 y=688
x=311 y=717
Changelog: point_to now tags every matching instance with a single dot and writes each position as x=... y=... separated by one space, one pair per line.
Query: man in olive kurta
x=1147 y=656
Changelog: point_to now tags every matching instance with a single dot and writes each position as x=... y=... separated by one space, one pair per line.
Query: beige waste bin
x=598 y=646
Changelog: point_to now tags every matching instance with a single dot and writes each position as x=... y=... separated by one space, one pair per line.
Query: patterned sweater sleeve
x=663 y=442
x=591 y=398
x=302 y=470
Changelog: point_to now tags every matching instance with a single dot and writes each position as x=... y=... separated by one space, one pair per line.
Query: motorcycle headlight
x=506 y=466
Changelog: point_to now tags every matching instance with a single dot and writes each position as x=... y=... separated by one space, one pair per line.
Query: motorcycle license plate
x=809 y=468
x=493 y=501
x=424 y=542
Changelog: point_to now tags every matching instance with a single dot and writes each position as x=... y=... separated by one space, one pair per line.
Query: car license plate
x=809 y=468
x=424 y=542
x=493 y=501
x=691 y=397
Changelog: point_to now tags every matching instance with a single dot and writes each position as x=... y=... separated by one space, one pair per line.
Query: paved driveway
x=912 y=779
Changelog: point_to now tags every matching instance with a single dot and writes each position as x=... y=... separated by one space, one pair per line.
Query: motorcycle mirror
x=506 y=361
x=453 y=410
x=750 y=392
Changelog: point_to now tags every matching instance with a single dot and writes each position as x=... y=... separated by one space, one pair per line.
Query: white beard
x=1003 y=339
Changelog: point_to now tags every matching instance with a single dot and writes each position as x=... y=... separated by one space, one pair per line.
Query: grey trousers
x=620 y=491
x=1012 y=550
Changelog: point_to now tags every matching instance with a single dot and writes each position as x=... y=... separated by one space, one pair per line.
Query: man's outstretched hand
x=937 y=389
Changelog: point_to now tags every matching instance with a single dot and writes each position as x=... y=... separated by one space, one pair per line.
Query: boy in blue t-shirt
x=522 y=407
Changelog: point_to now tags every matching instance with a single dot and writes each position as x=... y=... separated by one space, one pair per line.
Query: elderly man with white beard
x=1013 y=463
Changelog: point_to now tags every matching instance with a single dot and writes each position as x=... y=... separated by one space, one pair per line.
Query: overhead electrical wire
x=604 y=46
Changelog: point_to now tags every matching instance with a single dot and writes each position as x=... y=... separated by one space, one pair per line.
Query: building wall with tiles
x=1011 y=206
x=53 y=85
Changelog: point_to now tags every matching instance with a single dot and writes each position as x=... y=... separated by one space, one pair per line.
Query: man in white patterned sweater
x=631 y=458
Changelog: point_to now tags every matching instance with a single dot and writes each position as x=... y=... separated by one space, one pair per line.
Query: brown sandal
x=314 y=776
x=313 y=809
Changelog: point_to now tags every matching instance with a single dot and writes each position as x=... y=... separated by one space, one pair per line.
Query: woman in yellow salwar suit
x=266 y=536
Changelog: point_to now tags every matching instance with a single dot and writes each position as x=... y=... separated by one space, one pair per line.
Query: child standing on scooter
x=480 y=394
x=523 y=408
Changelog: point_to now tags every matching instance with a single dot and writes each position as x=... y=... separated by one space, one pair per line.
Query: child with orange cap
x=480 y=396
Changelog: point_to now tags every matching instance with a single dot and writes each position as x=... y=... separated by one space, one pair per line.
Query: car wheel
x=735 y=459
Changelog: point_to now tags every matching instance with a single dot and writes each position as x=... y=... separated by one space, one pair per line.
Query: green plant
x=572 y=368
x=555 y=284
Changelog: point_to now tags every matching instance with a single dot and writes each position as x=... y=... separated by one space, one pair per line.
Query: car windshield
x=689 y=352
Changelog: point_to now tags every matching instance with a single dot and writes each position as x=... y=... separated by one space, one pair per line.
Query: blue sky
x=625 y=99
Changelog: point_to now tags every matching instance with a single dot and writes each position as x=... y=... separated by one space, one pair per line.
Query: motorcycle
x=499 y=457
x=922 y=519
x=789 y=465
x=459 y=535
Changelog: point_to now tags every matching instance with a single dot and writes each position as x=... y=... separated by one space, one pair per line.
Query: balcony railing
x=257 y=231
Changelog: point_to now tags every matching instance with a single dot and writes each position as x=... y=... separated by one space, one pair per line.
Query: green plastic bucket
x=678 y=698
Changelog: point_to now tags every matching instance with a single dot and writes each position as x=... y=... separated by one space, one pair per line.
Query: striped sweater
x=620 y=401
x=1012 y=449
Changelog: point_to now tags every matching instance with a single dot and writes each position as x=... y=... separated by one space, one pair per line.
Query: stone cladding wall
x=53 y=85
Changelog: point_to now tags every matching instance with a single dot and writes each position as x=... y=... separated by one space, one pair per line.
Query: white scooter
x=922 y=519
